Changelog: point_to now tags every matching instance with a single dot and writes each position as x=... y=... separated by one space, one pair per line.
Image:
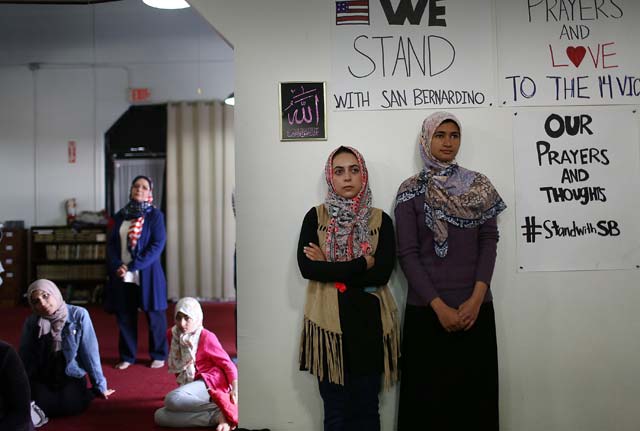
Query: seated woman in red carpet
x=208 y=379
x=59 y=348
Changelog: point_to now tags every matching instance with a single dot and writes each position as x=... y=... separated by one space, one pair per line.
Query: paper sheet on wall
x=568 y=52
x=577 y=178
x=390 y=54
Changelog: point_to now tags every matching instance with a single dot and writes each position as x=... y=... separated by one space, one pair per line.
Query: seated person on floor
x=208 y=380
x=15 y=395
x=59 y=348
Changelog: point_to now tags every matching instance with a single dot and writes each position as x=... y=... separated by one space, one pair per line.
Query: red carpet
x=139 y=389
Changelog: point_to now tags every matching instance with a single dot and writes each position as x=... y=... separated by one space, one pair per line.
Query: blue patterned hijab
x=452 y=194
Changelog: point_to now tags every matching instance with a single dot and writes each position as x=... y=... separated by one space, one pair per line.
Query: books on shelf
x=75 y=259
x=76 y=251
x=65 y=234
x=72 y=272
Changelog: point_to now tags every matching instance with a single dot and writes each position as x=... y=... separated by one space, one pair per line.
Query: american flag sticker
x=352 y=12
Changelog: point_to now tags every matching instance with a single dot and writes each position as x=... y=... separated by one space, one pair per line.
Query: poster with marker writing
x=567 y=52
x=577 y=177
x=411 y=54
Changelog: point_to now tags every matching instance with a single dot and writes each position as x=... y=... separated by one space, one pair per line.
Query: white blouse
x=125 y=256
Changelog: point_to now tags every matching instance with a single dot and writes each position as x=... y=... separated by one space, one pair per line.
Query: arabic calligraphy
x=300 y=107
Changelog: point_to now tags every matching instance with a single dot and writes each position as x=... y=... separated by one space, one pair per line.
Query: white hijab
x=184 y=345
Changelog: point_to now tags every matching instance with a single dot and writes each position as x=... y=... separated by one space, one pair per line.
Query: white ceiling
x=120 y=31
x=61 y=2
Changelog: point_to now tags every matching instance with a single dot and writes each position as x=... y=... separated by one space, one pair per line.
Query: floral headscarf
x=51 y=323
x=348 y=230
x=184 y=345
x=453 y=194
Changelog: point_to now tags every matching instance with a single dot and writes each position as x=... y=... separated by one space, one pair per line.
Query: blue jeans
x=353 y=406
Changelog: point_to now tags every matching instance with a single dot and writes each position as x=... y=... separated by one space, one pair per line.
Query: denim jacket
x=79 y=346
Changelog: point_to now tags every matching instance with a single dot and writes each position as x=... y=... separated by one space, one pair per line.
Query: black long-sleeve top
x=15 y=394
x=359 y=311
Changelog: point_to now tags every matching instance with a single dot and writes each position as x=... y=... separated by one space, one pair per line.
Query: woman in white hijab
x=208 y=379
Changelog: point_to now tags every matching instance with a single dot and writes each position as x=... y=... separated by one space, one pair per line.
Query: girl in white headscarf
x=208 y=379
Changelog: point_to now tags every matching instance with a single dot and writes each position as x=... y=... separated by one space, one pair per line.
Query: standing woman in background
x=136 y=276
x=350 y=336
x=447 y=239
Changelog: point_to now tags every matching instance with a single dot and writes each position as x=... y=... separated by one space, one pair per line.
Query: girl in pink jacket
x=208 y=379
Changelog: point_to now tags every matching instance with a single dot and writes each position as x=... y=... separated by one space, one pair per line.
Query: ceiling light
x=231 y=100
x=167 y=4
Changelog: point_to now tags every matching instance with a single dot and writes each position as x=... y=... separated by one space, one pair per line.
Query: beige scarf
x=321 y=338
x=52 y=323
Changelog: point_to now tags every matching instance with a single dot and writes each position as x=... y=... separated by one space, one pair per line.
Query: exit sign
x=139 y=94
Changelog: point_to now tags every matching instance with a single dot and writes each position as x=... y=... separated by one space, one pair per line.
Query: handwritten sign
x=577 y=178
x=568 y=52
x=302 y=111
x=408 y=54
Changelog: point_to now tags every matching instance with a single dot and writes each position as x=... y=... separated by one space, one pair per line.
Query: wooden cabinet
x=13 y=256
x=74 y=259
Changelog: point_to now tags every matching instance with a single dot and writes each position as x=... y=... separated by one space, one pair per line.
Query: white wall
x=88 y=56
x=568 y=341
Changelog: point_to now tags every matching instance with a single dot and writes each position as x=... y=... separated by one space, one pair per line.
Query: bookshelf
x=74 y=259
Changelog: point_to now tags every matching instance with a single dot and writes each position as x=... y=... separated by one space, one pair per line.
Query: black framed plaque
x=302 y=111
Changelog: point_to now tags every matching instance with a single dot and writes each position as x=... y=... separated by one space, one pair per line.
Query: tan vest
x=321 y=338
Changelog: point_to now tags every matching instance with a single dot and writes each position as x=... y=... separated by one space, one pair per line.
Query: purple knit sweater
x=471 y=257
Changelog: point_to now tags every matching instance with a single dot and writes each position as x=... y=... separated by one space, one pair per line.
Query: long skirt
x=449 y=381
